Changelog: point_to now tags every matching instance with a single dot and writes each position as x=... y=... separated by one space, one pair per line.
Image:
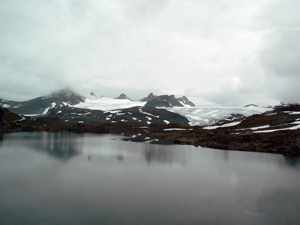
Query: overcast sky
x=216 y=52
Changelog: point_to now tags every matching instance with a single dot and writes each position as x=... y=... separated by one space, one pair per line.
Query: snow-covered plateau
x=107 y=104
x=201 y=116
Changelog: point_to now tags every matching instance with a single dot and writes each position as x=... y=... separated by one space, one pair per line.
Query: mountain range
x=63 y=105
x=274 y=129
x=67 y=105
x=66 y=97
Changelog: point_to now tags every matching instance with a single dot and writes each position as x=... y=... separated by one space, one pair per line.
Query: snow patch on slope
x=46 y=111
x=273 y=130
x=166 y=121
x=146 y=113
x=53 y=104
x=224 y=125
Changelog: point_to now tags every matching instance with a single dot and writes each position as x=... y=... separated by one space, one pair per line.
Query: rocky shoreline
x=282 y=142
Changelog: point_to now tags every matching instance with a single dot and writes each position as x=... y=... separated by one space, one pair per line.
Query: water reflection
x=226 y=155
x=281 y=205
x=152 y=153
x=120 y=157
x=292 y=160
x=111 y=182
x=63 y=145
x=1 y=139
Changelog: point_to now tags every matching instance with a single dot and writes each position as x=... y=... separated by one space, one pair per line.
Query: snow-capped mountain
x=64 y=99
x=40 y=105
x=166 y=101
x=185 y=101
x=121 y=102
x=196 y=115
x=9 y=104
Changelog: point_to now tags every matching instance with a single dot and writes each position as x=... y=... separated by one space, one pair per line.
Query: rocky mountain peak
x=93 y=95
x=41 y=104
x=62 y=93
x=185 y=101
x=249 y=105
x=65 y=95
x=149 y=97
x=123 y=96
x=163 y=101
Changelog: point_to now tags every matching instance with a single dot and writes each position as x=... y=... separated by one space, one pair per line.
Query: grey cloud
x=166 y=47
x=279 y=14
x=282 y=57
x=287 y=89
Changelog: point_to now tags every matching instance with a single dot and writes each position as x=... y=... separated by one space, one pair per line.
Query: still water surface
x=66 y=178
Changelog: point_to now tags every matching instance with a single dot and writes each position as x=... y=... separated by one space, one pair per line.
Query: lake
x=68 y=178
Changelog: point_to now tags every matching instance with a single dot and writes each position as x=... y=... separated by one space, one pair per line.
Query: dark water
x=65 y=178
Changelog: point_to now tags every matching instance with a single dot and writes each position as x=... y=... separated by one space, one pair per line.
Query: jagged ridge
x=166 y=101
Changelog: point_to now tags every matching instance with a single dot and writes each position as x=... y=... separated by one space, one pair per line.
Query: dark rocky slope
x=11 y=122
x=274 y=132
x=40 y=104
x=166 y=101
x=141 y=116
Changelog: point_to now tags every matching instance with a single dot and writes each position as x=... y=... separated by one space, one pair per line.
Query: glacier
x=197 y=116
x=206 y=116
x=107 y=104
